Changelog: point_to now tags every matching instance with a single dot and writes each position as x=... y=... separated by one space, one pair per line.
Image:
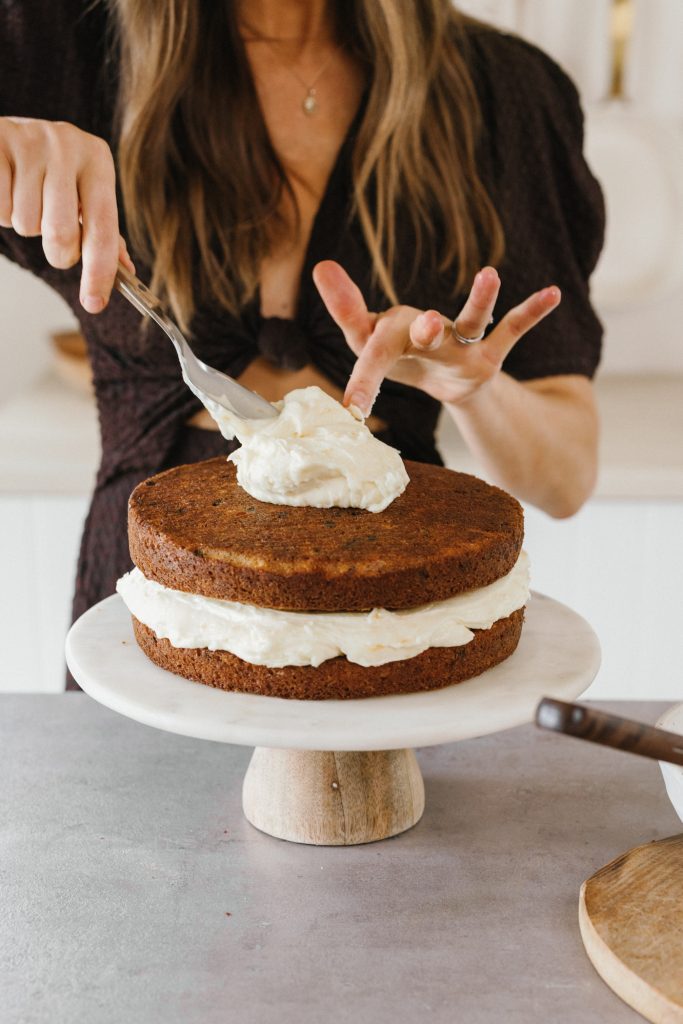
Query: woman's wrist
x=537 y=439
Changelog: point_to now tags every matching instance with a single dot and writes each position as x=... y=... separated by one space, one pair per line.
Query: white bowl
x=672 y=721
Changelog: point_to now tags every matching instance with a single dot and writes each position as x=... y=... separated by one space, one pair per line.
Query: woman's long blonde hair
x=202 y=184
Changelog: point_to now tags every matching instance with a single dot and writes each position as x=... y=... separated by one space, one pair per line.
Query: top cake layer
x=194 y=529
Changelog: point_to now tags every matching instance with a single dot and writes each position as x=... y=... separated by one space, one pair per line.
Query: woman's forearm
x=537 y=439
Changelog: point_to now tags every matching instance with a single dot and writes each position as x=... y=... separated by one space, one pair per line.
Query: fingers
x=397 y=334
x=475 y=315
x=519 y=320
x=5 y=191
x=345 y=303
x=386 y=344
x=59 y=182
x=403 y=332
x=378 y=342
x=100 y=243
x=27 y=199
x=427 y=331
x=60 y=226
x=124 y=256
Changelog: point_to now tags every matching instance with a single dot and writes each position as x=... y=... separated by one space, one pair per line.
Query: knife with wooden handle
x=610 y=730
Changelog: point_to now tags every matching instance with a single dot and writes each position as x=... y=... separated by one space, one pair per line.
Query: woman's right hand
x=59 y=182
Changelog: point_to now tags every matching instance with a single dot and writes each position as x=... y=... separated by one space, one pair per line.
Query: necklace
x=309 y=104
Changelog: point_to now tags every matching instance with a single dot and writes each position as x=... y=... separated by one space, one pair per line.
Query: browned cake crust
x=193 y=528
x=338 y=678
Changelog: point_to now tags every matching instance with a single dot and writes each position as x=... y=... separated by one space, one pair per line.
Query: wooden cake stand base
x=335 y=772
x=315 y=796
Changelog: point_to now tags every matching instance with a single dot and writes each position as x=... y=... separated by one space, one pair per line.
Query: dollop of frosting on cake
x=265 y=636
x=315 y=453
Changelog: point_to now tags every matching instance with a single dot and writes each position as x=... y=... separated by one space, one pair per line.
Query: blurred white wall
x=29 y=313
x=634 y=144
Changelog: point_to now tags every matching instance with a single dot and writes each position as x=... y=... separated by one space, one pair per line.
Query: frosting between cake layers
x=266 y=636
x=315 y=453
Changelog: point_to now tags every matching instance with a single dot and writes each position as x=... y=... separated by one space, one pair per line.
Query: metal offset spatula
x=610 y=730
x=205 y=382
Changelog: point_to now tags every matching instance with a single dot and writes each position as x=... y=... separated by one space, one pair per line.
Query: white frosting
x=315 y=453
x=264 y=636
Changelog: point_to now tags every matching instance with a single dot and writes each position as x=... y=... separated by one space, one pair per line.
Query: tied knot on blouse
x=283 y=343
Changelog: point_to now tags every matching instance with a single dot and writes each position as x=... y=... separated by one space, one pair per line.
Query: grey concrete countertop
x=134 y=891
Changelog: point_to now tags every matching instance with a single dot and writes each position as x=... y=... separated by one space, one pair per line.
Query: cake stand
x=335 y=772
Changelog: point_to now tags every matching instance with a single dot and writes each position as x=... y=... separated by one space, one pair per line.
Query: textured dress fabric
x=57 y=63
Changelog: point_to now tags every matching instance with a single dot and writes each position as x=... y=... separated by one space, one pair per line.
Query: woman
x=288 y=170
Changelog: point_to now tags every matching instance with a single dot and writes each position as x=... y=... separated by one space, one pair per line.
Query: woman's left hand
x=418 y=347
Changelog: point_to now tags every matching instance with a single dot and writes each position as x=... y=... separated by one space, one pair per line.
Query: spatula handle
x=610 y=730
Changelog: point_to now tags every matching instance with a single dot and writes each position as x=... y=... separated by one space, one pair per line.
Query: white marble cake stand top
x=558 y=656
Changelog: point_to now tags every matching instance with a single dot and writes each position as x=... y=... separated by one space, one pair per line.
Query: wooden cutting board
x=631 y=921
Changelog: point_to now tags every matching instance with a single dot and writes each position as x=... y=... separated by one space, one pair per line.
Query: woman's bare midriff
x=273 y=384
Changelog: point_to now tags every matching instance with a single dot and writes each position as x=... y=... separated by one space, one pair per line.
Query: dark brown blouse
x=55 y=64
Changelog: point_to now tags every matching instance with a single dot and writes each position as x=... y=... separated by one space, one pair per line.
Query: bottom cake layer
x=338 y=678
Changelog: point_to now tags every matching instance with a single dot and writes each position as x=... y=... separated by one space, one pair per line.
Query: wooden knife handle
x=610 y=730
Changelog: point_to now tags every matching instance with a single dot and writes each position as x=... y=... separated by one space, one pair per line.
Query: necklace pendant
x=310 y=103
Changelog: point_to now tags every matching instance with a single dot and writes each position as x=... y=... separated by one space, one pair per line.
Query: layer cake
x=440 y=570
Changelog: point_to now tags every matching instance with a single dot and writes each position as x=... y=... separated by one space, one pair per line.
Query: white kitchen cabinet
x=48 y=456
x=39 y=537
x=619 y=563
